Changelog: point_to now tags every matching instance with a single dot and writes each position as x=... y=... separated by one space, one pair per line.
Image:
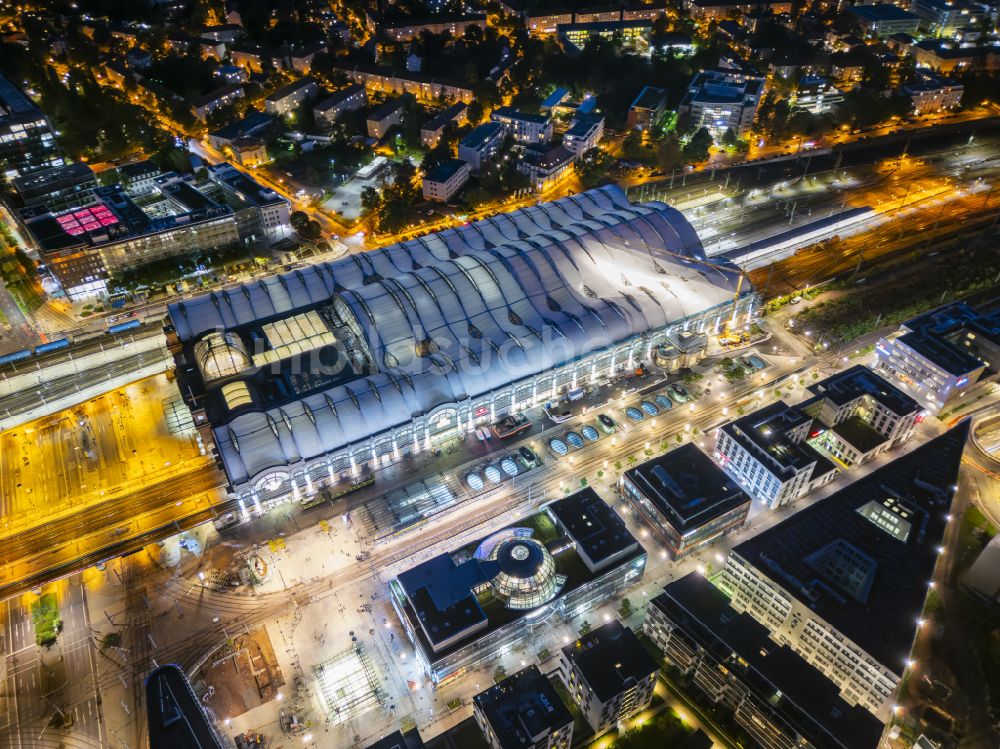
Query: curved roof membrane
x=462 y=312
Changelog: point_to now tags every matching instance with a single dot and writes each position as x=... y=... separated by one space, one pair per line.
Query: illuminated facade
x=446 y=332
x=27 y=143
x=464 y=608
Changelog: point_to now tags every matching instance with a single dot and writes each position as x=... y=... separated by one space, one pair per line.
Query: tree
x=729 y=138
x=592 y=167
x=585 y=628
x=625 y=609
x=499 y=673
x=474 y=112
x=668 y=154
x=299 y=220
x=696 y=149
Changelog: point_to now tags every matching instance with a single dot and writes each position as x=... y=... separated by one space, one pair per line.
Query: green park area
x=45 y=617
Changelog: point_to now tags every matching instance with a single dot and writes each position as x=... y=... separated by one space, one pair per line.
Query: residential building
x=138 y=58
x=423 y=87
x=27 y=143
x=553 y=100
x=686 y=498
x=945 y=17
x=248 y=57
x=227 y=32
x=816 y=95
x=722 y=100
x=545 y=23
x=443 y=23
x=254 y=123
x=884 y=19
x=773 y=694
x=232 y=74
x=609 y=675
x=386 y=116
x=584 y=133
x=718 y=10
x=433 y=129
x=443 y=181
x=455 y=628
x=290 y=97
x=843 y=582
x=768 y=454
x=481 y=145
x=300 y=59
x=945 y=58
x=269 y=211
x=524 y=128
x=940 y=355
x=647 y=108
x=58 y=187
x=221 y=97
x=634 y=34
x=351 y=98
x=523 y=711
x=932 y=93
x=358 y=421
x=546 y=166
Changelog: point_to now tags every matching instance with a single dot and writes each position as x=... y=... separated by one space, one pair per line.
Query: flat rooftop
x=851 y=384
x=175 y=718
x=839 y=557
x=480 y=134
x=514 y=114
x=445 y=170
x=882 y=12
x=521 y=707
x=593 y=524
x=649 y=98
x=399 y=740
x=764 y=433
x=611 y=659
x=687 y=487
x=809 y=702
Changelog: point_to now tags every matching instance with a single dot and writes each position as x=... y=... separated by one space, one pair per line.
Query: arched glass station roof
x=460 y=313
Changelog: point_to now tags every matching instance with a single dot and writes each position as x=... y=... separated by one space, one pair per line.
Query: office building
x=546 y=166
x=634 y=34
x=464 y=608
x=722 y=100
x=27 y=143
x=139 y=177
x=290 y=97
x=843 y=582
x=443 y=181
x=351 y=98
x=524 y=128
x=859 y=415
x=433 y=129
x=388 y=403
x=779 y=699
x=945 y=17
x=767 y=452
x=932 y=93
x=609 y=675
x=687 y=499
x=884 y=19
x=940 y=355
x=584 y=133
x=647 y=108
x=523 y=711
x=481 y=145
x=268 y=214
x=399 y=740
x=58 y=187
x=175 y=717
x=386 y=116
